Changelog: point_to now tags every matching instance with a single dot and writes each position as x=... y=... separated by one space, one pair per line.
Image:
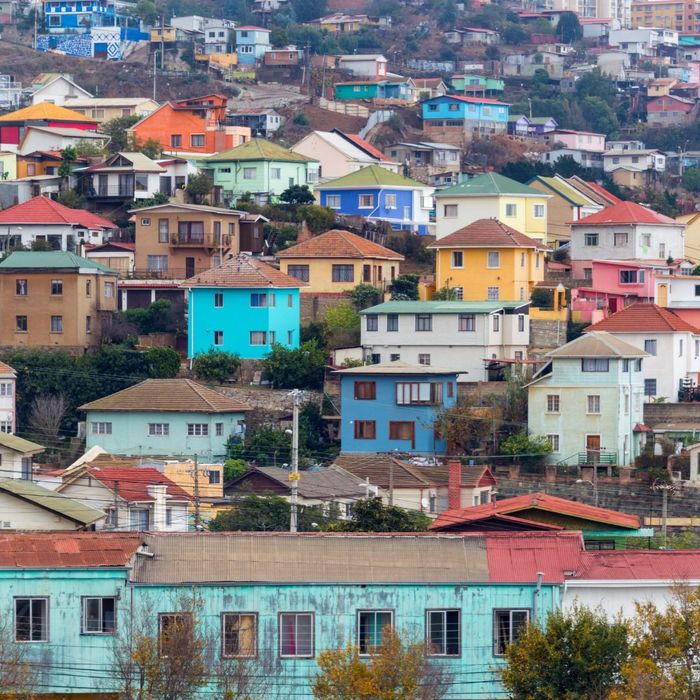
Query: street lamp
x=595 y=488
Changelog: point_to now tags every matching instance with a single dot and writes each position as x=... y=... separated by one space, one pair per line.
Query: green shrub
x=216 y=365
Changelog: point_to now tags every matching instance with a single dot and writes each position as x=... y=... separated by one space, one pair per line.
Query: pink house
x=576 y=140
x=8 y=392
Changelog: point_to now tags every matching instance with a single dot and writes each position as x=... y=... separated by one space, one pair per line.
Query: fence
x=349 y=108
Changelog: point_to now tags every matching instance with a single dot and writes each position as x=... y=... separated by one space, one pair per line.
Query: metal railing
x=205 y=240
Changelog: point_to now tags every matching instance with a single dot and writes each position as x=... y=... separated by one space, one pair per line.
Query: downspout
x=190 y=324
x=536 y=600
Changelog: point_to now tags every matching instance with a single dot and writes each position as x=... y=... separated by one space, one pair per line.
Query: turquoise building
x=244 y=306
x=164 y=417
x=469 y=115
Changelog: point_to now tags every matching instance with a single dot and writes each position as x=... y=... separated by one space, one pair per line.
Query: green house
x=260 y=168
x=357 y=90
x=466 y=84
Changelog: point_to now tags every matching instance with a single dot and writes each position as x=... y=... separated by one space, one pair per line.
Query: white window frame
x=84 y=617
x=365 y=198
x=333 y=201
x=158 y=429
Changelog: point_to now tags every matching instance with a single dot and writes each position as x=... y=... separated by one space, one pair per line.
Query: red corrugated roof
x=44 y=210
x=476 y=100
x=665 y=565
x=602 y=191
x=625 y=213
x=534 y=501
x=133 y=483
x=67 y=550
x=647 y=318
x=365 y=146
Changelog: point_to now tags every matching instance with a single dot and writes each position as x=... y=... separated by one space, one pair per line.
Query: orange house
x=191 y=126
x=43 y=163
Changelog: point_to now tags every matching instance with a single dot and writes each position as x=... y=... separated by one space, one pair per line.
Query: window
x=163 y=230
x=343 y=273
x=511 y=210
x=366 y=201
x=88 y=324
x=56 y=287
x=88 y=288
x=57 y=324
x=650 y=347
x=423 y=358
x=197 y=140
x=31 y=619
x=620 y=239
x=101 y=427
x=450 y=211
x=99 y=615
x=631 y=276
x=591 y=364
x=466 y=322
x=507 y=625
x=593 y=403
x=109 y=290
x=646 y=240
x=218 y=300
x=492 y=293
x=258 y=299
x=250 y=173
x=333 y=201
x=552 y=403
x=198 y=429
x=290 y=337
x=258 y=337
x=408 y=393
x=157 y=263
x=638 y=365
x=21 y=324
x=662 y=250
x=442 y=632
x=172 y=629
x=145 y=221
x=457 y=259
x=365 y=391
x=290 y=301
x=175 y=140
x=5 y=388
x=5 y=427
x=296 y=635
x=372 y=322
x=424 y=322
x=159 y=428
x=300 y=272
x=538 y=211
x=521 y=323
x=496 y=323
x=218 y=337
x=239 y=635
x=402 y=430
x=21 y=288
x=553 y=441
x=493 y=259
x=590 y=239
x=392 y=323
x=219 y=430
x=650 y=387
x=370 y=627
x=365 y=429
x=390 y=201
x=680 y=348
x=275 y=173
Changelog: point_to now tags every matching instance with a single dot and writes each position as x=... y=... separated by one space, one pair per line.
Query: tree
x=462 y=427
x=151 y=148
x=233 y=468
x=405 y=288
x=569 y=28
x=342 y=326
x=116 y=130
x=600 y=115
x=163 y=362
x=295 y=368
x=691 y=180
x=396 y=670
x=528 y=449
x=18 y=676
x=306 y=10
x=71 y=199
x=371 y=515
x=216 y=365
x=318 y=219
x=297 y=194
x=199 y=186
x=147 y=11
x=541 y=298
x=576 y=656
x=47 y=413
x=595 y=83
x=162 y=316
x=364 y=296
x=446 y=293
x=68 y=157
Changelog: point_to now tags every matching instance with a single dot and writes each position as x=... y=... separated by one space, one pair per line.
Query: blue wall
x=384 y=409
x=439 y=108
x=350 y=203
x=237 y=318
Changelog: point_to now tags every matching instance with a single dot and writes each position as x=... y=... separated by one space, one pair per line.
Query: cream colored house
x=104 y=109
x=692 y=235
x=16 y=455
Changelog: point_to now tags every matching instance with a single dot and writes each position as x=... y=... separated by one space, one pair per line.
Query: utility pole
x=197 y=505
x=294 y=475
x=115 y=507
x=665 y=488
x=391 y=481
x=155 y=56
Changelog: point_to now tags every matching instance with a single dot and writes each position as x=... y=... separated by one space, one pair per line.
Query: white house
x=58 y=90
x=54 y=138
x=639 y=159
x=672 y=346
x=463 y=336
x=643 y=41
x=8 y=398
x=364 y=65
x=16 y=455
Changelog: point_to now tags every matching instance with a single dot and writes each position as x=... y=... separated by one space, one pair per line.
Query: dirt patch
x=319 y=120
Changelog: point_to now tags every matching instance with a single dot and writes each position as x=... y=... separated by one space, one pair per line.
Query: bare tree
x=245 y=678
x=47 y=413
x=17 y=679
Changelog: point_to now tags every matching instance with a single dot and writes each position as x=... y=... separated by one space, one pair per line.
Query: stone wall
x=655 y=413
x=545 y=336
x=314 y=306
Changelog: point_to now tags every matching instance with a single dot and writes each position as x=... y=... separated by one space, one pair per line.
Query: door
x=663 y=295
x=126 y=185
x=593 y=448
x=189 y=267
x=102 y=185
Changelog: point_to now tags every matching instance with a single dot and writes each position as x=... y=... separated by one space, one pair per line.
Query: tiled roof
x=259 y=149
x=132 y=483
x=444 y=307
x=50 y=500
x=23 y=550
x=643 y=318
x=18 y=444
x=488 y=184
x=397 y=367
x=366 y=146
x=487 y=233
x=596 y=192
x=181 y=395
x=625 y=213
x=46 y=111
x=680 y=565
x=245 y=272
x=339 y=244
x=452 y=519
x=565 y=190
x=6 y=370
x=130 y=247
x=139 y=162
x=597 y=344
x=51 y=260
x=44 y=210
x=371 y=176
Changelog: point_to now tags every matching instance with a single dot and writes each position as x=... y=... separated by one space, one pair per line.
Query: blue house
x=380 y=195
x=243 y=306
x=393 y=407
x=457 y=115
x=251 y=44
x=168 y=417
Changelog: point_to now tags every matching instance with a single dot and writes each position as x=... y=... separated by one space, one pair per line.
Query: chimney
x=454 y=484
x=305 y=233
x=158 y=492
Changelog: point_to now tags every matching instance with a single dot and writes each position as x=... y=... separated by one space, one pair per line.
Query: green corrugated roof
x=487 y=184
x=55 y=259
x=371 y=176
x=18 y=444
x=442 y=307
x=565 y=190
x=515 y=117
x=539 y=120
x=50 y=500
x=259 y=149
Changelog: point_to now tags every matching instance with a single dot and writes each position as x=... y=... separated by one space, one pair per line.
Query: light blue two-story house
x=164 y=417
x=380 y=195
x=393 y=407
x=251 y=44
x=243 y=306
x=454 y=117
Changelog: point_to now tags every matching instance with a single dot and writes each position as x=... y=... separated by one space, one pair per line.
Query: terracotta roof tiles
x=243 y=271
x=487 y=233
x=644 y=318
x=339 y=244
x=44 y=210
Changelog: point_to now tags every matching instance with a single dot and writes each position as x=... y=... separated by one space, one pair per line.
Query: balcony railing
x=200 y=240
x=593 y=457
x=115 y=191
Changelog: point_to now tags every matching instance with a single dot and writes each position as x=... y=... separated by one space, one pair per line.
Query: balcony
x=124 y=191
x=200 y=240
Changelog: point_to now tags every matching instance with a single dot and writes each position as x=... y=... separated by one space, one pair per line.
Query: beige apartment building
x=666 y=14
x=54 y=299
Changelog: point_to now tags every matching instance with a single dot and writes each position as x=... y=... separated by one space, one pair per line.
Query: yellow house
x=8 y=165
x=489 y=261
x=692 y=235
x=491 y=196
x=337 y=261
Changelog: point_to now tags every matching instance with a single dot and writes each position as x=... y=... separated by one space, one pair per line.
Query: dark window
x=99 y=615
x=442 y=634
x=218 y=337
x=424 y=322
x=175 y=630
x=392 y=322
x=370 y=628
x=258 y=299
x=239 y=635
x=507 y=625
x=372 y=322
x=595 y=364
x=218 y=300
x=403 y=430
x=296 y=635
x=467 y=322
x=21 y=288
x=343 y=273
x=176 y=140
x=599 y=545
x=650 y=346
x=365 y=429
x=650 y=387
x=300 y=272
x=21 y=324
x=365 y=391
x=56 y=287
x=31 y=620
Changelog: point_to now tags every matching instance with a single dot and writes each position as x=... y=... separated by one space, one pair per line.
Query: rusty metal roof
x=677 y=565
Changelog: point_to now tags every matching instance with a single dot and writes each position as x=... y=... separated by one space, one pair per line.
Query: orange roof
x=625 y=213
x=46 y=111
x=6 y=369
x=132 y=483
x=243 y=271
x=363 y=145
x=44 y=210
x=487 y=233
x=339 y=244
x=453 y=519
x=643 y=318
